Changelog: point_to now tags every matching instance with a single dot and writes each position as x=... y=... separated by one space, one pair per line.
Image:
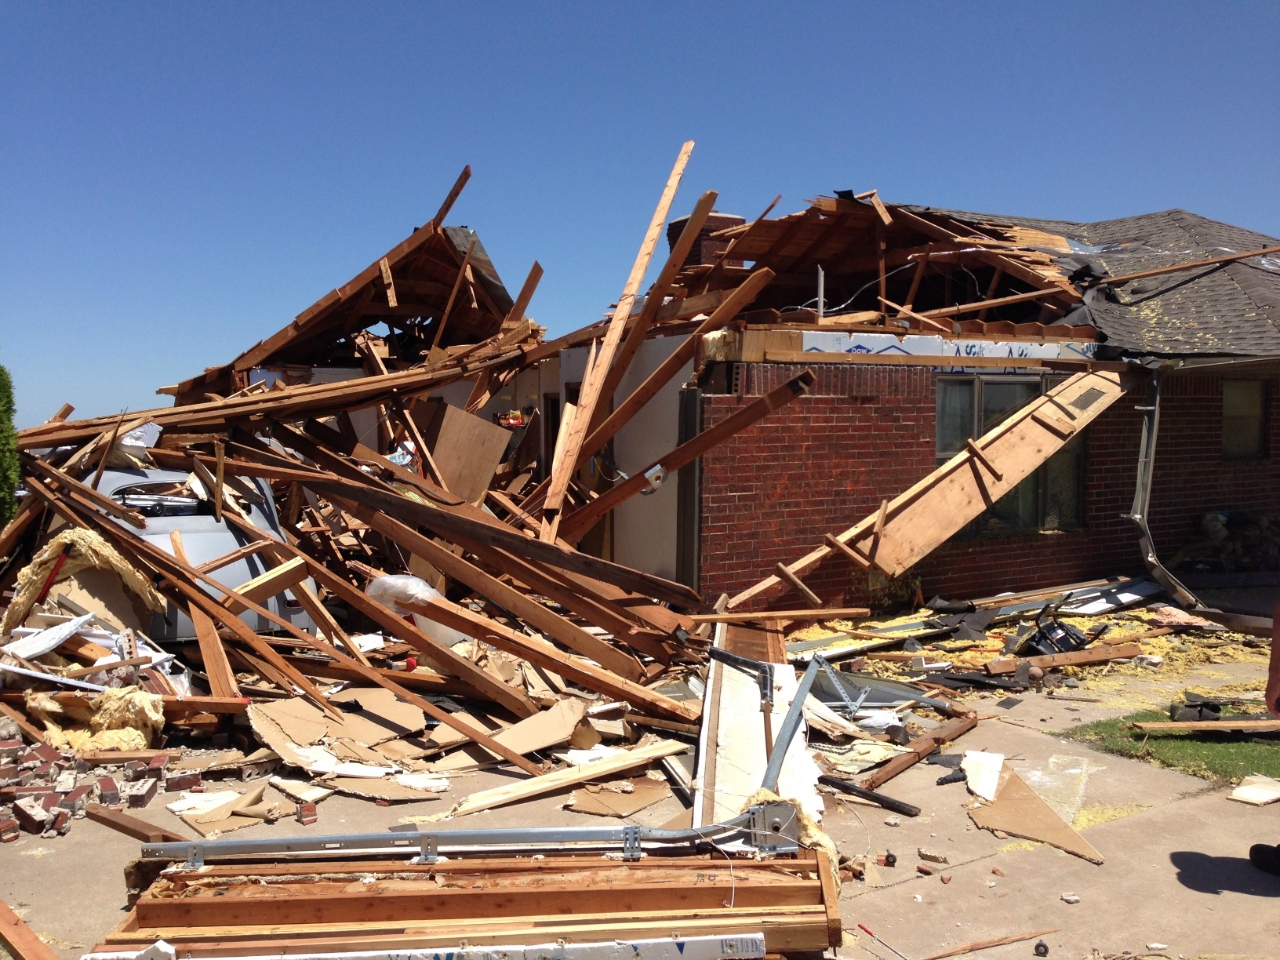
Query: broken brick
x=108 y=791
x=76 y=799
x=9 y=830
x=141 y=792
x=307 y=812
x=12 y=749
x=134 y=770
x=42 y=752
x=31 y=815
x=181 y=781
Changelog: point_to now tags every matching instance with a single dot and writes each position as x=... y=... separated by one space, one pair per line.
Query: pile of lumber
x=235 y=909
x=398 y=543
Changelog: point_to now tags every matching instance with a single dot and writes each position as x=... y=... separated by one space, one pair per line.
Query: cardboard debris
x=300 y=790
x=983 y=772
x=606 y=800
x=381 y=789
x=548 y=728
x=1019 y=812
x=1256 y=790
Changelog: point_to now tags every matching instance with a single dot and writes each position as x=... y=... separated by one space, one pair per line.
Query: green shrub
x=9 y=472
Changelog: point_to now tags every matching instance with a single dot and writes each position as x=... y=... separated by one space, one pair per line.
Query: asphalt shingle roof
x=1230 y=309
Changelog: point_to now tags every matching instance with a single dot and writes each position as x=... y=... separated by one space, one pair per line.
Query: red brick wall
x=864 y=433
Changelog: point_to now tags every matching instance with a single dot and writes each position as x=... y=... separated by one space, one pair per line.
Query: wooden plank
x=29 y=511
x=1076 y=658
x=388 y=283
x=955 y=362
x=559 y=779
x=67 y=482
x=423 y=901
x=562 y=469
x=222 y=679
x=794 y=929
x=268 y=584
x=451 y=197
x=291 y=404
x=920 y=748
x=1225 y=725
x=1177 y=268
x=975 y=945
x=583 y=519
x=446 y=522
x=596 y=610
x=19 y=939
x=437 y=653
x=507 y=597
x=32 y=732
x=839 y=546
x=939 y=505
x=639 y=326
x=545 y=655
x=817 y=613
x=799 y=585
x=670 y=367
x=516 y=314
x=131 y=826
x=453 y=295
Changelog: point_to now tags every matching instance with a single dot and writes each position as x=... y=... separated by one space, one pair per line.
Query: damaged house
x=407 y=538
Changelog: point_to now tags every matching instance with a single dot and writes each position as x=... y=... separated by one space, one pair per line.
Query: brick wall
x=864 y=433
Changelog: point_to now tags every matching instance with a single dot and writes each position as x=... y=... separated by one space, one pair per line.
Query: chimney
x=705 y=249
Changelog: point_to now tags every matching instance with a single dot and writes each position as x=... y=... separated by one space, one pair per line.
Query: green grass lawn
x=1219 y=757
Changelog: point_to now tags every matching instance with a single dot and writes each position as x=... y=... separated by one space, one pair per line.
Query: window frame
x=1045 y=382
x=1263 y=450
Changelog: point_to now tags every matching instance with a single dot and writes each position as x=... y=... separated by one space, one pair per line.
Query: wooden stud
x=387 y=282
x=996 y=277
x=106 y=453
x=978 y=455
x=222 y=679
x=451 y=197
x=583 y=519
x=19 y=939
x=593 y=382
x=841 y=547
x=799 y=584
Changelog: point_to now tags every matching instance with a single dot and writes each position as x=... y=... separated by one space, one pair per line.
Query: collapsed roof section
x=912 y=269
x=436 y=289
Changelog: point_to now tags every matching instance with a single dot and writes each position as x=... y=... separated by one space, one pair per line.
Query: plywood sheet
x=1019 y=812
x=467 y=449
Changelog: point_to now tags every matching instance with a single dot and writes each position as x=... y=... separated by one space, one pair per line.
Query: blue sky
x=179 y=180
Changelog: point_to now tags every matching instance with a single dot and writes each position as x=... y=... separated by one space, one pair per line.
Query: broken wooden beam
x=920 y=748
x=1076 y=658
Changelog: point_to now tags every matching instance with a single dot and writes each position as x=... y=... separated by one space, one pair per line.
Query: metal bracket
x=631 y=842
x=428 y=848
x=195 y=856
x=654 y=476
x=774 y=828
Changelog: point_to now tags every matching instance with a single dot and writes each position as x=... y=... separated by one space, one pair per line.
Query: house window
x=1244 y=404
x=1052 y=497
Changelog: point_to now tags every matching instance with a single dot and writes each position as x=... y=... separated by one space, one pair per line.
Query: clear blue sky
x=177 y=181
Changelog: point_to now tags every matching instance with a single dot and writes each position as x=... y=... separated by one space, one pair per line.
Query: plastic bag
x=390 y=591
